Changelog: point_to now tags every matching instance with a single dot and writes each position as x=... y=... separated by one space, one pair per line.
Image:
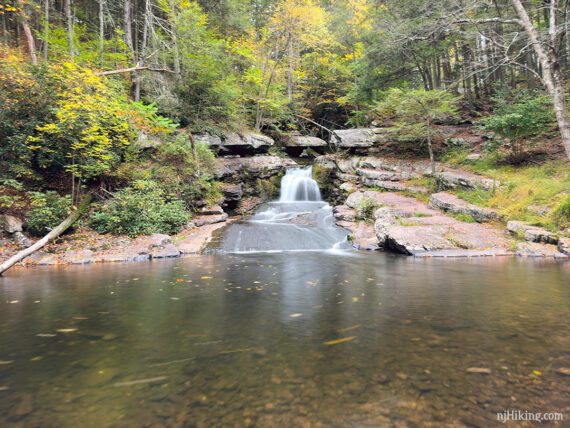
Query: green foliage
x=561 y=213
x=366 y=208
x=524 y=117
x=415 y=111
x=143 y=209
x=48 y=210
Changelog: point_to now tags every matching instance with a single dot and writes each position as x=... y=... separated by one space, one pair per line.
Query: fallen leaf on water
x=5 y=363
x=344 y=330
x=12 y=302
x=233 y=351
x=479 y=370
x=354 y=299
x=66 y=330
x=180 y=280
x=33 y=359
x=4 y=388
x=537 y=372
x=338 y=341
x=141 y=381
x=174 y=298
x=296 y=315
x=46 y=335
x=206 y=277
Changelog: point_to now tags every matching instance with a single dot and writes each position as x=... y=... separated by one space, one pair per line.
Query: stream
x=298 y=332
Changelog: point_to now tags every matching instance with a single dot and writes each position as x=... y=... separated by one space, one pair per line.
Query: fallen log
x=54 y=233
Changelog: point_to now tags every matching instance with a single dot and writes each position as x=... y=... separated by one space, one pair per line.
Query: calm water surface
x=282 y=340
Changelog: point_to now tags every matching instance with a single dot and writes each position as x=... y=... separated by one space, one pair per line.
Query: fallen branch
x=63 y=226
x=320 y=126
x=134 y=70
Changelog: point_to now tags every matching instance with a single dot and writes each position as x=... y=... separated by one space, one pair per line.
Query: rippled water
x=284 y=340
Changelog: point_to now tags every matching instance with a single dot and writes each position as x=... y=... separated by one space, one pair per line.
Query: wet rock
x=534 y=249
x=344 y=213
x=118 y=257
x=531 y=233
x=451 y=203
x=564 y=246
x=168 y=251
x=24 y=407
x=13 y=224
x=78 y=257
x=231 y=192
x=455 y=179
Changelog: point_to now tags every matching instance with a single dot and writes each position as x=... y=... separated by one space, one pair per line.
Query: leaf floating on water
x=46 y=335
x=480 y=370
x=66 y=330
x=5 y=363
x=141 y=381
x=4 y=388
x=537 y=372
x=296 y=315
x=180 y=280
x=174 y=298
x=13 y=302
x=355 y=299
x=339 y=341
x=234 y=351
x=206 y=277
x=344 y=330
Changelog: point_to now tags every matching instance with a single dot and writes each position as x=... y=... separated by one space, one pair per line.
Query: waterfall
x=299 y=221
x=298 y=185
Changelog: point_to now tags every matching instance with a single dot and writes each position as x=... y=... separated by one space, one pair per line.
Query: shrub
x=366 y=208
x=143 y=209
x=561 y=214
x=48 y=210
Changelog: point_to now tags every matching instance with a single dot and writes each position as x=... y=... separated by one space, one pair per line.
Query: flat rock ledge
x=192 y=240
x=450 y=203
x=531 y=233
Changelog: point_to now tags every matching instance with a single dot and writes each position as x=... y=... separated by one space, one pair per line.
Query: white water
x=299 y=221
x=298 y=185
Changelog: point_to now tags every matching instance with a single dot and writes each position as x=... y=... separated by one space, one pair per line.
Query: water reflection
x=283 y=340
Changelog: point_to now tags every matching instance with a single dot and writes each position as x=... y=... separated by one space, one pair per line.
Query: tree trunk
x=551 y=74
x=101 y=30
x=46 y=29
x=430 y=148
x=63 y=226
x=27 y=32
x=69 y=20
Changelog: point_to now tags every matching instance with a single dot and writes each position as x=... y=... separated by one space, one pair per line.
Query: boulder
x=21 y=240
x=535 y=249
x=231 y=192
x=450 y=203
x=390 y=186
x=359 y=137
x=210 y=219
x=212 y=210
x=355 y=199
x=168 y=251
x=13 y=224
x=263 y=166
x=305 y=141
x=455 y=179
x=246 y=143
x=531 y=233
x=348 y=187
x=212 y=141
x=145 y=141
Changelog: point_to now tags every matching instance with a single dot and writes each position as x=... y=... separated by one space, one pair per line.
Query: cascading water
x=298 y=185
x=299 y=221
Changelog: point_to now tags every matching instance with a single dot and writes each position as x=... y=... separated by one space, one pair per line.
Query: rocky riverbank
x=377 y=200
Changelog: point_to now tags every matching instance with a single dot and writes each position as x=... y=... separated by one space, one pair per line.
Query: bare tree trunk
x=63 y=226
x=290 y=70
x=101 y=30
x=141 y=59
x=27 y=31
x=551 y=74
x=430 y=148
x=69 y=20
x=128 y=25
x=46 y=29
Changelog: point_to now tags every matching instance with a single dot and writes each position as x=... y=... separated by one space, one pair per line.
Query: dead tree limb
x=333 y=133
x=135 y=69
x=63 y=226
